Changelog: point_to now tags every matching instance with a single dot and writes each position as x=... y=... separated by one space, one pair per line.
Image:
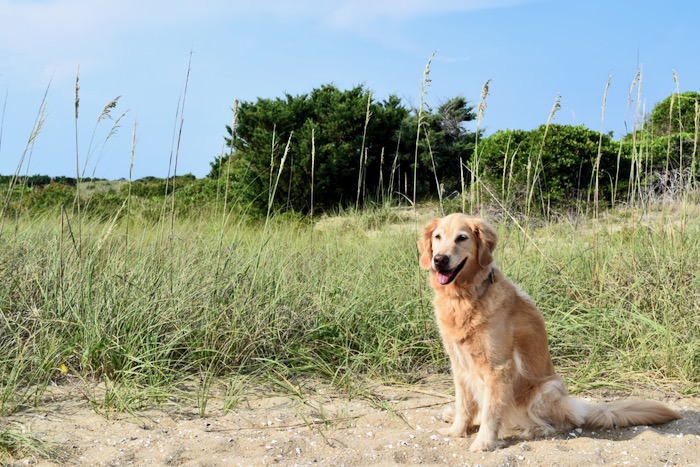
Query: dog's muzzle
x=445 y=275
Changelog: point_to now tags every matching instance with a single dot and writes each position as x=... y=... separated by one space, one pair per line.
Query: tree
x=330 y=124
x=444 y=141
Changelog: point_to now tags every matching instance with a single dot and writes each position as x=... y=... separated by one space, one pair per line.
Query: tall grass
x=634 y=192
x=421 y=110
x=534 y=183
x=26 y=154
x=474 y=191
x=362 y=175
x=175 y=151
x=596 y=165
x=16 y=442
x=113 y=314
x=142 y=319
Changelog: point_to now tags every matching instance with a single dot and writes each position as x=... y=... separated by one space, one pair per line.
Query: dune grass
x=343 y=300
x=17 y=442
x=140 y=313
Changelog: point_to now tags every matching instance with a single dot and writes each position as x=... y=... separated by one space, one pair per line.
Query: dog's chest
x=458 y=319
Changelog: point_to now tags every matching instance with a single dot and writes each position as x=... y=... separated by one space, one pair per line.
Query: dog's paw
x=484 y=443
x=453 y=432
x=448 y=415
x=482 y=446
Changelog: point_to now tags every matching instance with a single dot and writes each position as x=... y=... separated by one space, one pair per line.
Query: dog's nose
x=441 y=261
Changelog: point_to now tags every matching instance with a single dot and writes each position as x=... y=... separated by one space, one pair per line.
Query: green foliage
x=444 y=141
x=356 y=157
x=674 y=129
x=149 y=187
x=560 y=166
x=350 y=150
x=39 y=180
x=337 y=120
x=672 y=151
x=677 y=113
x=666 y=149
x=50 y=196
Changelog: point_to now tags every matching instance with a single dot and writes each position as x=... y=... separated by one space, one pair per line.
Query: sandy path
x=396 y=425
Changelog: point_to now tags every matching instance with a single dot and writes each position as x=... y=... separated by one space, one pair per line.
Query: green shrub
x=559 y=167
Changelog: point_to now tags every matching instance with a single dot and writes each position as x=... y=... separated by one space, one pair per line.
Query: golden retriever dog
x=496 y=339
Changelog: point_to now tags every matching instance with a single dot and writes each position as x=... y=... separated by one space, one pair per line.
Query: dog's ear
x=485 y=242
x=425 y=244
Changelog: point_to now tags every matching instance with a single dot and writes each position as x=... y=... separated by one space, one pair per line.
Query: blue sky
x=531 y=50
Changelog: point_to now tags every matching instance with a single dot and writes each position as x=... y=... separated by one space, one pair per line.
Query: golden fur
x=496 y=339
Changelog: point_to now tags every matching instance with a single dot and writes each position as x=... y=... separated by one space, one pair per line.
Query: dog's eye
x=462 y=237
x=437 y=237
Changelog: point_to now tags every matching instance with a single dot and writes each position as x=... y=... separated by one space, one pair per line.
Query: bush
x=559 y=167
x=675 y=114
x=50 y=196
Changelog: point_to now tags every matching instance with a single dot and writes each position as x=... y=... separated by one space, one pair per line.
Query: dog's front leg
x=465 y=409
x=497 y=395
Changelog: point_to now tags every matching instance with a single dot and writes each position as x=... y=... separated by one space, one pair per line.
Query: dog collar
x=490 y=279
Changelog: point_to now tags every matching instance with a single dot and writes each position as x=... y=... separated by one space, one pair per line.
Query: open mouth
x=447 y=276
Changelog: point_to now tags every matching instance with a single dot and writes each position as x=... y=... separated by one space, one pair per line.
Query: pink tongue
x=443 y=278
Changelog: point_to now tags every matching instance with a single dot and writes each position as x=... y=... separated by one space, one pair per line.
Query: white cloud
x=58 y=34
x=360 y=13
x=26 y=26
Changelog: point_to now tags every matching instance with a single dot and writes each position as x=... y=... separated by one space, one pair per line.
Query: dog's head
x=456 y=246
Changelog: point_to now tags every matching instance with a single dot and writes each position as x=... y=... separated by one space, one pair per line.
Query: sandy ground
x=388 y=425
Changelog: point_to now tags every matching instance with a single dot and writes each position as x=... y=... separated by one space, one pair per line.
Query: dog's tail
x=572 y=411
x=556 y=408
x=628 y=413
